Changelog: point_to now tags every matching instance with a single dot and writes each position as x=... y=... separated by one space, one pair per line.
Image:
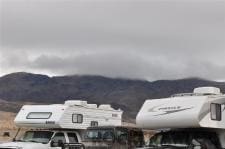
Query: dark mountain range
x=126 y=94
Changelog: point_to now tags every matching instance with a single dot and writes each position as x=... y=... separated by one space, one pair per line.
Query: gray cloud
x=152 y=40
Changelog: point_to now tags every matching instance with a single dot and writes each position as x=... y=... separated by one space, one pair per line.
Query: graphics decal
x=167 y=110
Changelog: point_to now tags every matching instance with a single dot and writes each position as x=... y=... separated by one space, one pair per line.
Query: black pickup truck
x=113 y=137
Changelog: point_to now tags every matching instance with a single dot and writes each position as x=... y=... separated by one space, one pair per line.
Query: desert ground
x=7 y=125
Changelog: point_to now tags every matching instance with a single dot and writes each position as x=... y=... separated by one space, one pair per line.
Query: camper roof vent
x=92 y=106
x=76 y=102
x=106 y=107
x=207 y=90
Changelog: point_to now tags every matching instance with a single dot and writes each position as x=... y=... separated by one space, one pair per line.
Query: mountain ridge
x=127 y=94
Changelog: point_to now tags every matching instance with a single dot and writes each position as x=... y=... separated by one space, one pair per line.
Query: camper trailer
x=194 y=120
x=60 y=124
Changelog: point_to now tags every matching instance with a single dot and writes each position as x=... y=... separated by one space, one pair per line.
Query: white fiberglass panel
x=174 y=112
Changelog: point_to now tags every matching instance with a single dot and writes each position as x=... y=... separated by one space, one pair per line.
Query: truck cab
x=44 y=139
x=113 y=137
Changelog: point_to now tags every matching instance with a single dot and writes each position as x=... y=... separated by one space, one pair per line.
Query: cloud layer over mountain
x=166 y=39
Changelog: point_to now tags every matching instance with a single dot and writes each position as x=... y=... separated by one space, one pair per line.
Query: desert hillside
x=17 y=89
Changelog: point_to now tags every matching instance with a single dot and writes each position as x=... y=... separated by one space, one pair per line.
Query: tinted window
x=122 y=136
x=216 y=111
x=94 y=123
x=39 y=115
x=184 y=138
x=72 y=137
x=175 y=138
x=93 y=134
x=77 y=118
x=59 y=136
x=155 y=140
x=136 y=138
x=206 y=137
x=108 y=135
x=99 y=134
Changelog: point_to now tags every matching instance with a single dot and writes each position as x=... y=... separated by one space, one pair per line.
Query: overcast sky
x=145 y=39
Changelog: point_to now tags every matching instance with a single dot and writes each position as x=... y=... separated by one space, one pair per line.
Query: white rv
x=60 y=123
x=194 y=120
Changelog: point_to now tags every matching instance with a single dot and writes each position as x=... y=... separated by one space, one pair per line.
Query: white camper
x=74 y=114
x=60 y=124
x=203 y=110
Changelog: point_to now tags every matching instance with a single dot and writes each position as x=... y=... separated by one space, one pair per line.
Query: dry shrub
x=7 y=121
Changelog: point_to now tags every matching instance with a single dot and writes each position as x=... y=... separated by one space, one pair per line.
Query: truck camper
x=59 y=124
x=74 y=114
x=189 y=120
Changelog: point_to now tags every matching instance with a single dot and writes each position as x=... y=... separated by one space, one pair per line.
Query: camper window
x=39 y=115
x=77 y=118
x=94 y=123
x=215 y=111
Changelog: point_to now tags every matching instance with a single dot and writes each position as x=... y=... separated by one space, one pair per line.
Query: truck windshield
x=37 y=136
x=104 y=134
x=173 y=139
x=183 y=139
x=176 y=139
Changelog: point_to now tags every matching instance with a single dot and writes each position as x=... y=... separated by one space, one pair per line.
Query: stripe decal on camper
x=167 y=110
x=173 y=111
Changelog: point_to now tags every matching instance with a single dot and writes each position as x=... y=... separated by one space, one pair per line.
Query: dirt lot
x=7 y=126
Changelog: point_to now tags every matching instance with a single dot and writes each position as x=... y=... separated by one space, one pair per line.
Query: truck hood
x=23 y=145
